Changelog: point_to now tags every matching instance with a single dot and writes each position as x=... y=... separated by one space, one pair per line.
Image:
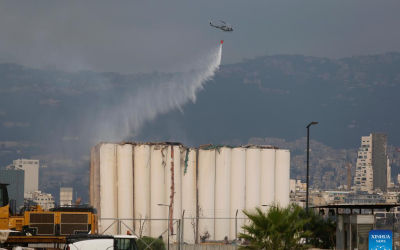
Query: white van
x=101 y=242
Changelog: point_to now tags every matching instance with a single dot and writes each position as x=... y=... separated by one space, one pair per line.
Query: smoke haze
x=126 y=115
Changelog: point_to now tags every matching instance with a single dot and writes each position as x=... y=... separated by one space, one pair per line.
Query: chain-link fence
x=168 y=230
x=184 y=231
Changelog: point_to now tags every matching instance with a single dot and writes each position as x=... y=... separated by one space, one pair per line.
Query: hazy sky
x=144 y=36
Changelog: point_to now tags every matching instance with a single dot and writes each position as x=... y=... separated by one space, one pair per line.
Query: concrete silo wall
x=206 y=191
x=267 y=173
x=125 y=185
x=108 y=188
x=282 y=177
x=142 y=163
x=253 y=185
x=238 y=189
x=173 y=188
x=189 y=201
x=157 y=174
x=222 y=190
x=129 y=180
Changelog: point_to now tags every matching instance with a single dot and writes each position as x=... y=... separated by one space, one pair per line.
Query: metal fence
x=184 y=231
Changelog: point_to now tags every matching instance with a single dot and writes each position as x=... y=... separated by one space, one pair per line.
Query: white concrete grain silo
x=253 y=178
x=267 y=174
x=125 y=185
x=282 y=177
x=222 y=192
x=108 y=188
x=206 y=191
x=157 y=196
x=189 y=195
x=238 y=189
x=128 y=180
x=142 y=166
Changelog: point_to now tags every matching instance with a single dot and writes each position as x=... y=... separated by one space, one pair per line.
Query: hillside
x=51 y=114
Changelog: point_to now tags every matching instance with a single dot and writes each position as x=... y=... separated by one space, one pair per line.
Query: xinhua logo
x=380 y=240
x=380 y=236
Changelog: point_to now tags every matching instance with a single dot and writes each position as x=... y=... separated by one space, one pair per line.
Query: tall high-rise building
x=380 y=161
x=373 y=170
x=31 y=168
x=16 y=189
x=364 y=173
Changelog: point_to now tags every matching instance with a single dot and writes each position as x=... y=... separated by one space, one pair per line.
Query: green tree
x=323 y=230
x=277 y=229
x=154 y=243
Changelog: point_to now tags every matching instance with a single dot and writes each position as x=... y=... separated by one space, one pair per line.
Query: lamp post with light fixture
x=308 y=166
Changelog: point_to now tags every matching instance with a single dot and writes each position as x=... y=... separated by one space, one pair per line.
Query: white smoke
x=168 y=93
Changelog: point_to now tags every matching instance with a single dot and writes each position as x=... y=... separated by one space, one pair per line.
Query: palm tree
x=323 y=230
x=277 y=229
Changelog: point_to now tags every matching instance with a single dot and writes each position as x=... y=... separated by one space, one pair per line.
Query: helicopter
x=226 y=27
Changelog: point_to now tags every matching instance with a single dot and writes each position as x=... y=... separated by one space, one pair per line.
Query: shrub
x=143 y=242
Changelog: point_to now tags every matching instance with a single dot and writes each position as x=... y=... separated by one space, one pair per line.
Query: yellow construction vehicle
x=34 y=225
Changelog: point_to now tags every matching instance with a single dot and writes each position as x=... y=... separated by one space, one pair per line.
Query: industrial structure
x=129 y=181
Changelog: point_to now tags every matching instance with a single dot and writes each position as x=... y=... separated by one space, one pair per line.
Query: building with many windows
x=46 y=201
x=363 y=180
x=31 y=168
x=380 y=161
x=66 y=196
x=16 y=188
x=372 y=169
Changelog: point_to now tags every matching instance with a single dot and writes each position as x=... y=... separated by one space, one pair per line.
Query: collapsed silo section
x=172 y=191
x=157 y=168
x=253 y=185
x=108 y=189
x=125 y=186
x=206 y=192
x=189 y=195
x=237 y=190
x=282 y=177
x=267 y=174
x=222 y=192
x=142 y=161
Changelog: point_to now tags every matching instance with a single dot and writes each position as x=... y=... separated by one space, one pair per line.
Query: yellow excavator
x=35 y=225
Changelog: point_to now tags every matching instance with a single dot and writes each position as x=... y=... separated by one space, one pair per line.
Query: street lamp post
x=169 y=220
x=308 y=165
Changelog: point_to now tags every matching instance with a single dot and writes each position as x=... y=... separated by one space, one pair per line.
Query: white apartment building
x=31 y=168
x=297 y=186
x=46 y=201
x=363 y=181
